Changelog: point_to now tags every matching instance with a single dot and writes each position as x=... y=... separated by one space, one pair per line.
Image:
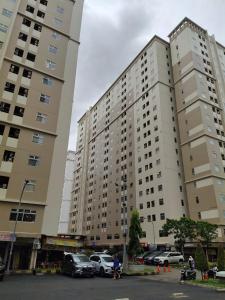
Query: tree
x=221 y=259
x=135 y=233
x=182 y=230
x=200 y=259
x=206 y=233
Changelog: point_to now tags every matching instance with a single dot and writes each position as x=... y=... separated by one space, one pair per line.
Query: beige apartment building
x=39 y=42
x=155 y=142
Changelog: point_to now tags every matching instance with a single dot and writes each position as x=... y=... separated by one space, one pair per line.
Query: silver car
x=103 y=264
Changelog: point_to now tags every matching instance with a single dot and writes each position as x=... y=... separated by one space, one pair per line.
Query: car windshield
x=107 y=258
x=80 y=258
x=164 y=254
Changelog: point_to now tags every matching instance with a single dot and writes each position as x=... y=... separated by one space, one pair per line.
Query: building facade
x=64 y=219
x=39 y=42
x=146 y=143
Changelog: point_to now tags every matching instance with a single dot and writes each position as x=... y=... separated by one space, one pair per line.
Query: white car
x=169 y=258
x=103 y=264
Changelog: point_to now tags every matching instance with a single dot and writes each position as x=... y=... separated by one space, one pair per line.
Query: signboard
x=63 y=242
x=7 y=237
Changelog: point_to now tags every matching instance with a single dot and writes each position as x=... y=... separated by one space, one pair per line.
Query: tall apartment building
x=39 y=42
x=155 y=141
x=64 y=219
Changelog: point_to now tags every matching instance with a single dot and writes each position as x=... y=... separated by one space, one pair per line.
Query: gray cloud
x=114 y=31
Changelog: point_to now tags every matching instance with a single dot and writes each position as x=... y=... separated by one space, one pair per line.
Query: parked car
x=166 y=258
x=149 y=259
x=140 y=258
x=2 y=269
x=103 y=264
x=77 y=265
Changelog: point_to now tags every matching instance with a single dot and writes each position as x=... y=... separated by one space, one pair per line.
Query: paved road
x=57 y=287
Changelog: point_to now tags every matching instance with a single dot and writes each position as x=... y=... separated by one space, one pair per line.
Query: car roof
x=102 y=254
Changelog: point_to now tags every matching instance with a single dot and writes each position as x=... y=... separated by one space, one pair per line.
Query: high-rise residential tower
x=39 y=42
x=155 y=142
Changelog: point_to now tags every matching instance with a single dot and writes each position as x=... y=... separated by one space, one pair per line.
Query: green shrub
x=200 y=259
x=221 y=259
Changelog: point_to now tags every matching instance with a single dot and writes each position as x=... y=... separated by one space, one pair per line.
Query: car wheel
x=166 y=263
x=181 y=261
x=73 y=274
x=102 y=272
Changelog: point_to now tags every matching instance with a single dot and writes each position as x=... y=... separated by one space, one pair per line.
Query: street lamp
x=125 y=260
x=13 y=237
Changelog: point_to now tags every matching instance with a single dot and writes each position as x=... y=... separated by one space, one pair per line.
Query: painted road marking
x=179 y=295
x=122 y=299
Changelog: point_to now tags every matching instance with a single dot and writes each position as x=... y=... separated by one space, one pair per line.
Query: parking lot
x=57 y=287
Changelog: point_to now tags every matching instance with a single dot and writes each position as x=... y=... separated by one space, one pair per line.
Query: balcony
x=36 y=33
x=21 y=100
x=25 y=81
x=4 y=116
x=3 y=193
x=12 y=142
x=25 y=28
x=7 y=95
x=17 y=120
x=33 y=48
x=21 y=43
x=17 y=58
x=6 y=166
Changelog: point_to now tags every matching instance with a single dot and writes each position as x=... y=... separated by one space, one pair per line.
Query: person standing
x=116 y=266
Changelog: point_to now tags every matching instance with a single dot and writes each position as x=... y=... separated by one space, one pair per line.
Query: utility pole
x=13 y=236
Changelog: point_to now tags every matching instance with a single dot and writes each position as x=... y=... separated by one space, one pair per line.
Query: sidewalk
x=173 y=276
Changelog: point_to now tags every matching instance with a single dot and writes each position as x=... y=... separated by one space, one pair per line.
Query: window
x=160 y=187
x=19 y=111
x=37 y=27
x=4 y=182
x=60 y=9
x=4 y=107
x=40 y=14
x=50 y=64
x=162 y=216
x=26 y=22
x=141 y=205
x=34 y=41
x=34 y=160
x=41 y=117
x=2 y=129
x=9 y=87
x=3 y=28
x=109 y=236
x=31 y=185
x=52 y=49
x=31 y=56
x=153 y=218
x=9 y=156
x=7 y=13
x=22 y=215
x=58 y=22
x=162 y=233
x=22 y=36
x=38 y=138
x=45 y=98
x=56 y=35
x=47 y=81
x=27 y=73
x=14 y=69
x=161 y=201
x=18 y=52
x=14 y=132
x=23 y=92
x=30 y=9
x=44 y=2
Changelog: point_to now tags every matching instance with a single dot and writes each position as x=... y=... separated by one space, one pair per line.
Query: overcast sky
x=114 y=31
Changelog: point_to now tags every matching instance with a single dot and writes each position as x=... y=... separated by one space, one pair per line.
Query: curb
x=206 y=286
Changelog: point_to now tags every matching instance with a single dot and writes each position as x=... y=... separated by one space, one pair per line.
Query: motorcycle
x=187 y=275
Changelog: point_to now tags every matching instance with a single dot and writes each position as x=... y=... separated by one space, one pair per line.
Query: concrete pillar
x=33 y=259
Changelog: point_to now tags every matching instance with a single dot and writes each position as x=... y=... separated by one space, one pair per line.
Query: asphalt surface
x=57 y=287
